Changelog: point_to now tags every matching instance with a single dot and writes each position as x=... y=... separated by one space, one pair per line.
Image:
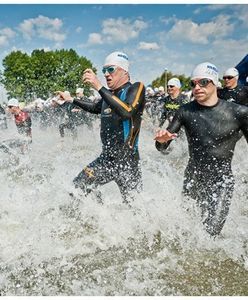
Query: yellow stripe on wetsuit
x=89 y=172
x=124 y=105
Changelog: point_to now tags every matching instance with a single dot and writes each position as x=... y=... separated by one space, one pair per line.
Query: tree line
x=166 y=76
x=41 y=73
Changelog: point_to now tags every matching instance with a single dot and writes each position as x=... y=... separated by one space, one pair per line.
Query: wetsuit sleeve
x=135 y=97
x=163 y=117
x=220 y=93
x=244 y=96
x=243 y=119
x=89 y=106
x=173 y=127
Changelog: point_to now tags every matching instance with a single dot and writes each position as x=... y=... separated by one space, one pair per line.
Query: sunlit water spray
x=52 y=244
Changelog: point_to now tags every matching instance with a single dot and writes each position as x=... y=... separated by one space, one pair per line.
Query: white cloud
x=187 y=30
x=78 y=29
x=236 y=51
x=242 y=13
x=211 y=7
x=119 y=30
x=95 y=38
x=6 y=34
x=43 y=27
x=148 y=46
x=169 y=20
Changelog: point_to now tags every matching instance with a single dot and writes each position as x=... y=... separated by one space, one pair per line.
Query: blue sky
x=155 y=36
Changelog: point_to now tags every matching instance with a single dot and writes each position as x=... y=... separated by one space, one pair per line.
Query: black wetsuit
x=212 y=134
x=171 y=106
x=3 y=120
x=70 y=120
x=238 y=95
x=121 y=112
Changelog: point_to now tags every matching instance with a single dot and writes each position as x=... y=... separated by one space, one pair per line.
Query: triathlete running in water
x=232 y=91
x=173 y=101
x=213 y=128
x=121 y=109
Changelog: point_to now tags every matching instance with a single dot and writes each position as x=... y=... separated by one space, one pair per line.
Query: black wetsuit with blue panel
x=121 y=115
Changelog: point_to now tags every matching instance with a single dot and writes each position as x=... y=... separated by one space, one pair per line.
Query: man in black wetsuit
x=232 y=91
x=212 y=127
x=173 y=101
x=121 y=108
x=69 y=118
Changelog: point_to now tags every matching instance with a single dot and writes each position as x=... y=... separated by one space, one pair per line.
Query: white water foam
x=41 y=224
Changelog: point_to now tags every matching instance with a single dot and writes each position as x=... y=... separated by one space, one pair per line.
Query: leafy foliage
x=160 y=81
x=42 y=73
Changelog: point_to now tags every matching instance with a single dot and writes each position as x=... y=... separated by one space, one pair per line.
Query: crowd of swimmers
x=213 y=117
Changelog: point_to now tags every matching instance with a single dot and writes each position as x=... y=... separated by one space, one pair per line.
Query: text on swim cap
x=122 y=55
x=212 y=68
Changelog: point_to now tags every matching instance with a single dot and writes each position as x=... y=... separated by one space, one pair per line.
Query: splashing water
x=52 y=244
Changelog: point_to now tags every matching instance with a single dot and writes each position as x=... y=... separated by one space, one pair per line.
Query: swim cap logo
x=212 y=69
x=122 y=55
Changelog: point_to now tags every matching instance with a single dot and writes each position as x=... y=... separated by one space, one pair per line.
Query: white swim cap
x=13 y=102
x=79 y=90
x=206 y=70
x=175 y=82
x=232 y=72
x=119 y=59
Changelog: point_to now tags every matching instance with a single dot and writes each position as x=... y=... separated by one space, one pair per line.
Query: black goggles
x=228 y=77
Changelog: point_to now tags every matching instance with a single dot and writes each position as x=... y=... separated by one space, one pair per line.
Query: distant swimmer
x=232 y=91
x=3 y=120
x=121 y=108
x=213 y=128
x=22 y=120
x=173 y=101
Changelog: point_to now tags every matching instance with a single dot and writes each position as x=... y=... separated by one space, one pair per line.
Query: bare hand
x=90 y=77
x=164 y=136
x=64 y=96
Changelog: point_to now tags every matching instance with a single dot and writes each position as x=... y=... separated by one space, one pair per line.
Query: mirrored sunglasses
x=201 y=82
x=110 y=69
x=228 y=77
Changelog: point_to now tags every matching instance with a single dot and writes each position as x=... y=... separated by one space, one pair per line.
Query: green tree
x=42 y=73
x=160 y=81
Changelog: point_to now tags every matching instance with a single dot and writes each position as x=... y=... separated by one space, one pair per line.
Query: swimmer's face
x=13 y=109
x=173 y=90
x=230 y=82
x=115 y=76
x=203 y=89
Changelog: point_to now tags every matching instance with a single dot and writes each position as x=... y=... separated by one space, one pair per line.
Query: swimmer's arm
x=89 y=106
x=242 y=116
x=84 y=103
x=163 y=138
x=134 y=100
